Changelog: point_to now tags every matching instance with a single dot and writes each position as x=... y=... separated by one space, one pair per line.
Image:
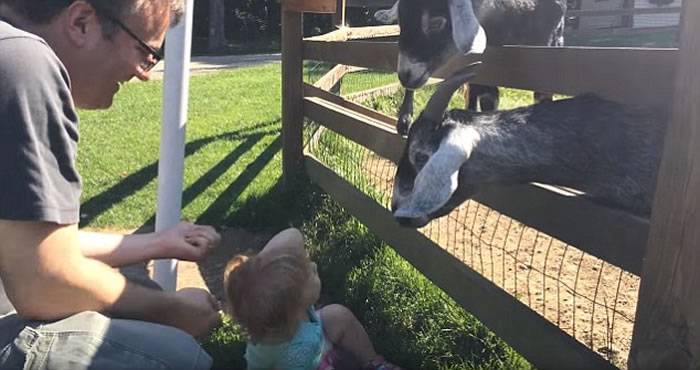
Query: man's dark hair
x=43 y=11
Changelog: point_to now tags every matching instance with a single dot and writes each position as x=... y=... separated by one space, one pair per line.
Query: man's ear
x=81 y=23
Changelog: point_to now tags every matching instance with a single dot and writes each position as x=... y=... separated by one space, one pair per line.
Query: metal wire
x=588 y=298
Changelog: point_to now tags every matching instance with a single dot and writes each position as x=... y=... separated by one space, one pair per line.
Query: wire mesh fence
x=588 y=298
x=640 y=23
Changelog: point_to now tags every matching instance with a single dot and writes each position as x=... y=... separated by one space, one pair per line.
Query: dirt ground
x=209 y=273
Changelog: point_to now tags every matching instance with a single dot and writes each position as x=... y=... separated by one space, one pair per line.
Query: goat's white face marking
x=479 y=43
x=437 y=177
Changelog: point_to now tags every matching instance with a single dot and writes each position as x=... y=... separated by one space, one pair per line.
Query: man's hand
x=198 y=313
x=187 y=241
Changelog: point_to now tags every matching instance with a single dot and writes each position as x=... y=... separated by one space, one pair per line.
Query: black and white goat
x=433 y=31
x=609 y=151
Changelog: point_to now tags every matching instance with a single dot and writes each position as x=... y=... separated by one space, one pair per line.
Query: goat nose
x=409 y=79
x=411 y=222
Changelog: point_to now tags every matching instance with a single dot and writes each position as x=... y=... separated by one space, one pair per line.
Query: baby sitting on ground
x=271 y=295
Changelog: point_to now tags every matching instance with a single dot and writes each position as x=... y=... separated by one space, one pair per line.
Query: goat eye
x=420 y=159
x=437 y=24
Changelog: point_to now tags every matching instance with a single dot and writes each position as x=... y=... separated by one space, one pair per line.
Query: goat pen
x=554 y=275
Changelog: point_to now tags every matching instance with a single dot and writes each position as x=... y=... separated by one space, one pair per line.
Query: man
x=73 y=309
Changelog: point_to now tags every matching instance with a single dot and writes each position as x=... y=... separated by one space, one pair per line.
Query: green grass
x=232 y=177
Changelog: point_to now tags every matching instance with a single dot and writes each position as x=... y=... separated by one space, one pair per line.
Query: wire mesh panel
x=640 y=23
x=588 y=298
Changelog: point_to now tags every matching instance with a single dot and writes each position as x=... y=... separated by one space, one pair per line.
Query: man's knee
x=115 y=343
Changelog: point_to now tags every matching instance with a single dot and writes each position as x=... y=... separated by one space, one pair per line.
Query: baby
x=271 y=295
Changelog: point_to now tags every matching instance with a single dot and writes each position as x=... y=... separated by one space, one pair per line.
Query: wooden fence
x=666 y=332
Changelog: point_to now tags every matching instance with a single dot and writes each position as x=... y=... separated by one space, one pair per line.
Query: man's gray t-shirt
x=38 y=134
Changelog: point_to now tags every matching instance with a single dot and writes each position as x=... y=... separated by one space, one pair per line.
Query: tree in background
x=217 y=30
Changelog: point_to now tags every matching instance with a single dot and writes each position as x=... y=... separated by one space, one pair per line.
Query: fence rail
x=468 y=288
x=627 y=75
x=619 y=74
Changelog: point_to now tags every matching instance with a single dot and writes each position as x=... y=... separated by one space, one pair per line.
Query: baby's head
x=269 y=292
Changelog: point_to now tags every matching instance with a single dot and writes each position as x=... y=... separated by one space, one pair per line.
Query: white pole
x=172 y=139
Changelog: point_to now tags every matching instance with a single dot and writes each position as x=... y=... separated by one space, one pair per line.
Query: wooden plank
x=335 y=99
x=380 y=56
x=309 y=6
x=370 y=3
x=621 y=31
x=667 y=330
x=627 y=75
x=540 y=341
x=612 y=235
x=633 y=11
x=357 y=33
x=385 y=90
x=332 y=78
x=360 y=33
x=292 y=80
x=374 y=134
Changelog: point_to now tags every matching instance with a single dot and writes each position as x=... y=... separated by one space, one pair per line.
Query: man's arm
x=185 y=241
x=47 y=277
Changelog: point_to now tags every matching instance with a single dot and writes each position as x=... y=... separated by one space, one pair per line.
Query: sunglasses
x=154 y=56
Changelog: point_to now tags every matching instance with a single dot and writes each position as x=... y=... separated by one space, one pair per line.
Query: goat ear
x=466 y=30
x=388 y=16
x=438 y=179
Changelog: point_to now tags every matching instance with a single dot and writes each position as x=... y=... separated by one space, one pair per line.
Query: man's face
x=109 y=62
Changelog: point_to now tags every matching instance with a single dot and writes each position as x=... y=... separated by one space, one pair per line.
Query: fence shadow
x=97 y=205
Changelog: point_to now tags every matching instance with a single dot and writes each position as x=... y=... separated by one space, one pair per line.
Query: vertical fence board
x=667 y=330
x=292 y=93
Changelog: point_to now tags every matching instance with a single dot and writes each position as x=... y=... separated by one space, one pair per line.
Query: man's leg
x=90 y=340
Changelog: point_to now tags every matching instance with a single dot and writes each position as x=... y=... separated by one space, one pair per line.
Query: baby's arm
x=289 y=238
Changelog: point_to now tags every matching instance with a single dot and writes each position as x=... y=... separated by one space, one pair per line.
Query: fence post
x=339 y=15
x=292 y=96
x=667 y=327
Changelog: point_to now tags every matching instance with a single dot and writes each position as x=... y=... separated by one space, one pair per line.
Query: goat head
x=426 y=182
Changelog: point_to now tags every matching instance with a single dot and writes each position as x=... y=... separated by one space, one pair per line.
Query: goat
x=609 y=151
x=430 y=37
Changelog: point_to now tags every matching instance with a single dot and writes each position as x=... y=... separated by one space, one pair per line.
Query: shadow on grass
x=95 y=206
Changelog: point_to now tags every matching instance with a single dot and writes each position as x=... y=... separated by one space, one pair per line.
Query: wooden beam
x=667 y=330
x=627 y=75
x=540 y=341
x=309 y=6
x=632 y=11
x=357 y=33
x=614 y=236
x=332 y=78
x=374 y=134
x=611 y=235
x=310 y=91
x=370 y=3
x=380 y=56
x=292 y=82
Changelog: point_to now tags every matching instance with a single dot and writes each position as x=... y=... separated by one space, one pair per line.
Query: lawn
x=232 y=178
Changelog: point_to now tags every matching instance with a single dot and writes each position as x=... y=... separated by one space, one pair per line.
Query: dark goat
x=427 y=39
x=609 y=151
